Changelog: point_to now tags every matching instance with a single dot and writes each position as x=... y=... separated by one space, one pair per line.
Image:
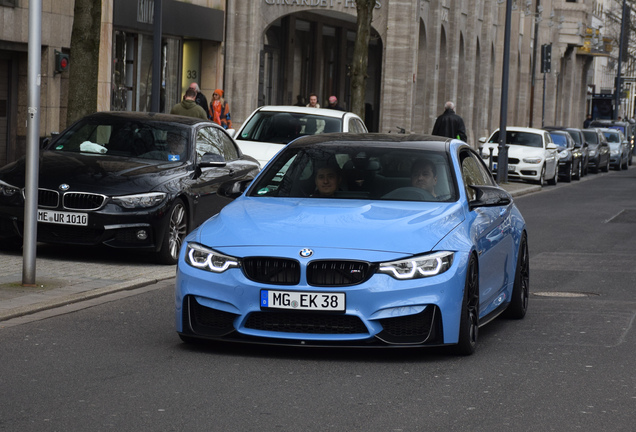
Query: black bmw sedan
x=127 y=180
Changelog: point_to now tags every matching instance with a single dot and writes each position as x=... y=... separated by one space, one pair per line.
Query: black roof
x=148 y=116
x=371 y=139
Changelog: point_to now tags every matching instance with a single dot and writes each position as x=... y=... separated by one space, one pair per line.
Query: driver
x=424 y=175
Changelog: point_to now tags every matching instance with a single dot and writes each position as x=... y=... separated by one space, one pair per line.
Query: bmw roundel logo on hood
x=64 y=187
x=306 y=253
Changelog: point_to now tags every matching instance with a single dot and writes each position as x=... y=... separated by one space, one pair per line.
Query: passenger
x=327 y=181
x=424 y=175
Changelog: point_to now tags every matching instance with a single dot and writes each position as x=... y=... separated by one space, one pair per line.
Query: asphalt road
x=568 y=366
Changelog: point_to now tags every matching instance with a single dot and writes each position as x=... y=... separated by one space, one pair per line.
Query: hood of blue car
x=388 y=226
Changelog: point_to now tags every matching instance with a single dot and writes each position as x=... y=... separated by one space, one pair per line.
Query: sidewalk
x=62 y=279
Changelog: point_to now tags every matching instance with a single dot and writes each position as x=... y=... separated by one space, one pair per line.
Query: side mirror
x=209 y=160
x=231 y=132
x=483 y=139
x=489 y=196
x=233 y=189
x=551 y=146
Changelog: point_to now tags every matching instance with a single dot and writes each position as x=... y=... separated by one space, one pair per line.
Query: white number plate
x=63 y=218
x=303 y=300
x=512 y=167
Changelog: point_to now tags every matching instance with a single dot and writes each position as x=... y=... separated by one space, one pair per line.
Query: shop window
x=132 y=72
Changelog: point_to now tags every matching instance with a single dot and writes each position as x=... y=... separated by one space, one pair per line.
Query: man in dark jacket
x=450 y=124
x=200 y=99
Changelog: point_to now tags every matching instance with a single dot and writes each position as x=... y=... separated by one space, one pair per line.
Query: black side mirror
x=233 y=189
x=489 y=196
x=209 y=160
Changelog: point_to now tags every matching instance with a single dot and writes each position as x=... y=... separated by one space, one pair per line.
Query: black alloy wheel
x=579 y=171
x=176 y=231
x=469 y=321
x=568 y=176
x=521 y=288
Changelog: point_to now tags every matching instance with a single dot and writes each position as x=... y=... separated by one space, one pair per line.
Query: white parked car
x=532 y=155
x=269 y=128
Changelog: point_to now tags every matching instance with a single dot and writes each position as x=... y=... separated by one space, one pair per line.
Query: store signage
x=318 y=3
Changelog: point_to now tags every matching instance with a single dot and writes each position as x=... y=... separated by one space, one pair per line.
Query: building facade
x=421 y=54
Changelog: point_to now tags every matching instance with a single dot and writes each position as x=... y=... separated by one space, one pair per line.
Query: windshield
x=519 y=138
x=358 y=172
x=591 y=136
x=612 y=137
x=559 y=139
x=283 y=127
x=120 y=137
x=575 y=136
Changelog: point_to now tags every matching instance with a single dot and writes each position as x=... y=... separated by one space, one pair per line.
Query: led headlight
x=208 y=259
x=615 y=152
x=564 y=154
x=140 y=200
x=592 y=152
x=534 y=160
x=419 y=266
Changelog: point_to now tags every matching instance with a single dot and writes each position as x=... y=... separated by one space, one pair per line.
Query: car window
x=575 y=136
x=559 y=139
x=125 y=138
x=519 y=138
x=360 y=173
x=356 y=126
x=283 y=127
x=612 y=137
x=591 y=136
x=474 y=173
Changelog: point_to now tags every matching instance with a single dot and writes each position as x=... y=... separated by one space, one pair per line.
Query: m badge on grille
x=306 y=253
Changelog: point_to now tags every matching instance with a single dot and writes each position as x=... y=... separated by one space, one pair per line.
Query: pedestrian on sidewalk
x=449 y=124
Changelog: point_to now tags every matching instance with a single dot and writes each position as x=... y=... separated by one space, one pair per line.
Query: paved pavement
x=65 y=275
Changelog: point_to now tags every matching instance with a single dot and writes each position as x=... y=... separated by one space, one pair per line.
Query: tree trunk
x=361 y=55
x=84 y=59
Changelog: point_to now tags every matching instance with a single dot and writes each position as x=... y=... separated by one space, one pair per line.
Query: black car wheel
x=607 y=165
x=579 y=171
x=521 y=288
x=568 y=175
x=469 y=321
x=176 y=231
x=626 y=164
x=554 y=180
x=541 y=180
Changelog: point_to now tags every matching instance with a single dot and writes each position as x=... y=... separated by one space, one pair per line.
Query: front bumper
x=109 y=226
x=380 y=311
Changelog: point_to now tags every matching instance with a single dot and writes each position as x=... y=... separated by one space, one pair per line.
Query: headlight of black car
x=6 y=190
x=144 y=200
x=208 y=259
x=418 y=267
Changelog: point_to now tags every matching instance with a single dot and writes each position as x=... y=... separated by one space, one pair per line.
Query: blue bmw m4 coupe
x=357 y=240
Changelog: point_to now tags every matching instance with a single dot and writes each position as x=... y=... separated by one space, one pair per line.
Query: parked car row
x=552 y=153
x=145 y=180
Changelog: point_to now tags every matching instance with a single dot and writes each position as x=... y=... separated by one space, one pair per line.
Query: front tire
x=176 y=230
x=579 y=171
x=469 y=321
x=554 y=180
x=521 y=288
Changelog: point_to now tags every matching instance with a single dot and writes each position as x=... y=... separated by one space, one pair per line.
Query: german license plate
x=62 y=218
x=303 y=300
x=512 y=168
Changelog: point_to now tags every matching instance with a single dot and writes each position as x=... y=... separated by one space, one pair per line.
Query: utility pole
x=502 y=152
x=534 y=59
x=156 y=57
x=617 y=91
x=33 y=144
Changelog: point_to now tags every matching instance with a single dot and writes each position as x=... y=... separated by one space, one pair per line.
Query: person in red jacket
x=220 y=110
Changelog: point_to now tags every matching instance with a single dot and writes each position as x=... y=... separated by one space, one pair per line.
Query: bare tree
x=364 y=9
x=84 y=56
